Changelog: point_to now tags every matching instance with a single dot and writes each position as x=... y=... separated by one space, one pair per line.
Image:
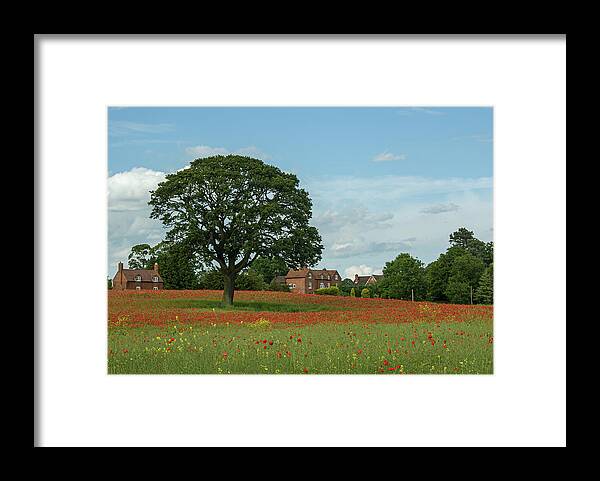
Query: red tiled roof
x=294 y=274
x=146 y=274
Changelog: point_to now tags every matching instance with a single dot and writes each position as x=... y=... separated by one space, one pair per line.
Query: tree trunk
x=228 y=290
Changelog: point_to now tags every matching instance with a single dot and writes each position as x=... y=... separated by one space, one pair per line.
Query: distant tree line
x=462 y=273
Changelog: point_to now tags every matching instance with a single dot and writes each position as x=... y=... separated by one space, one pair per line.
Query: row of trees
x=463 y=274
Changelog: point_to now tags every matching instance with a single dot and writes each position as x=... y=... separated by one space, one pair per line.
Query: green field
x=330 y=346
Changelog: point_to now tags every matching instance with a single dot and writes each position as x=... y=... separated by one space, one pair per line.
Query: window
x=310 y=275
x=138 y=278
x=155 y=288
x=309 y=285
x=335 y=277
x=155 y=279
x=294 y=286
x=137 y=288
x=322 y=285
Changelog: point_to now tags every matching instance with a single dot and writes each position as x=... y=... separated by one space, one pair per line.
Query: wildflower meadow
x=189 y=332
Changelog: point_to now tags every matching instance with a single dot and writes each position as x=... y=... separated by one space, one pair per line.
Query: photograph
x=300 y=240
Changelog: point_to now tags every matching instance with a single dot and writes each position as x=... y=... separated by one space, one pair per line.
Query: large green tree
x=231 y=209
x=403 y=276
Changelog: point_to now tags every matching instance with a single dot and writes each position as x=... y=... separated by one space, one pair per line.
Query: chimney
x=356 y=278
x=156 y=267
x=120 y=266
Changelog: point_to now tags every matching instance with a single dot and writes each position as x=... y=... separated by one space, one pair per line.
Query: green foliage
x=467 y=268
x=465 y=239
x=142 y=256
x=365 y=293
x=250 y=281
x=458 y=292
x=403 y=274
x=328 y=291
x=377 y=289
x=177 y=265
x=346 y=287
x=278 y=286
x=245 y=281
x=109 y=283
x=438 y=273
x=485 y=291
x=232 y=209
x=352 y=292
x=269 y=268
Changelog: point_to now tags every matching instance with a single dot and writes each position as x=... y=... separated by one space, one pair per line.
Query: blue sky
x=382 y=180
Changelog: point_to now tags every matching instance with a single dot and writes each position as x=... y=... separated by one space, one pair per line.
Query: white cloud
x=361 y=270
x=129 y=220
x=200 y=151
x=427 y=111
x=440 y=208
x=406 y=111
x=360 y=245
x=388 y=157
x=130 y=190
x=205 y=151
x=371 y=220
x=122 y=127
x=393 y=187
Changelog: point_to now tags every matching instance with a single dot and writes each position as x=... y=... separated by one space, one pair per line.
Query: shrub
x=328 y=291
x=365 y=293
x=278 y=287
x=352 y=292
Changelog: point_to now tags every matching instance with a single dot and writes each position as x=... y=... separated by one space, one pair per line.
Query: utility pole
x=412 y=295
x=471 y=294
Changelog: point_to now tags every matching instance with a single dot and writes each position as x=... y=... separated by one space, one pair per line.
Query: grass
x=255 y=306
x=325 y=349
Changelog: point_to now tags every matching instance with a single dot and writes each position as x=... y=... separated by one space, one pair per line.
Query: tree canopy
x=403 y=276
x=229 y=210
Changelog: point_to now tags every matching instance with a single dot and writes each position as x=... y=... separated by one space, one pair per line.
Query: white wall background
x=523 y=403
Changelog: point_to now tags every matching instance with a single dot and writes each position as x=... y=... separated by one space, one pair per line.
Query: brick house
x=366 y=280
x=306 y=281
x=139 y=279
